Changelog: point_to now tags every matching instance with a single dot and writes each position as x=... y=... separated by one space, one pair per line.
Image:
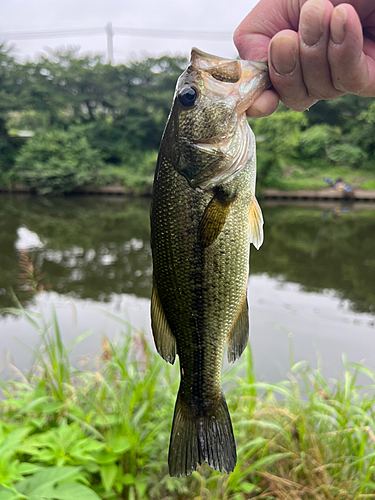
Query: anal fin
x=239 y=335
x=255 y=224
x=165 y=341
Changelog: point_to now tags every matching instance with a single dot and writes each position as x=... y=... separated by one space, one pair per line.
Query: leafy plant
x=103 y=433
x=315 y=140
x=275 y=149
x=346 y=154
x=54 y=483
x=58 y=161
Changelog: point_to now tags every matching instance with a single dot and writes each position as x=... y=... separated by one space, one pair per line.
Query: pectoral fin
x=239 y=335
x=214 y=218
x=255 y=224
x=165 y=341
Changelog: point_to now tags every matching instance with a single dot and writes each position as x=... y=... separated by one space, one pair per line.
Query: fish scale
x=203 y=217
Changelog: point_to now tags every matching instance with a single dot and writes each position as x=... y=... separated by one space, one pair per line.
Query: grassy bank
x=103 y=431
x=297 y=177
x=292 y=178
x=70 y=120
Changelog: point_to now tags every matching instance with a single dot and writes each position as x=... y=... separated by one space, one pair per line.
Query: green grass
x=368 y=184
x=136 y=177
x=103 y=431
x=311 y=177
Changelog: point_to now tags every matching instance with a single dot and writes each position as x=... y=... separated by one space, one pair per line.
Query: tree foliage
x=338 y=133
x=56 y=160
x=122 y=110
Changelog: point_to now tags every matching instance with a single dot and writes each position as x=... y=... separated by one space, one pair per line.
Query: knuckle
x=352 y=85
x=323 y=93
x=297 y=105
x=237 y=36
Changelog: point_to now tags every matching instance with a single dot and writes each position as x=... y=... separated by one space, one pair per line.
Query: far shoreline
x=117 y=189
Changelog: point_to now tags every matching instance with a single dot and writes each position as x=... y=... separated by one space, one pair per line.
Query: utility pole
x=109 y=31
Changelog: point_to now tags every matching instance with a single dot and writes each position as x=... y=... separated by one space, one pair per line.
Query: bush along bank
x=69 y=120
x=102 y=431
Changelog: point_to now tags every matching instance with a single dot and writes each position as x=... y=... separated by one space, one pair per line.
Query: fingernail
x=311 y=24
x=254 y=113
x=283 y=54
x=338 y=25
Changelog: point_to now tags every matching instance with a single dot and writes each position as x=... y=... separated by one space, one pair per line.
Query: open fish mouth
x=228 y=87
x=235 y=143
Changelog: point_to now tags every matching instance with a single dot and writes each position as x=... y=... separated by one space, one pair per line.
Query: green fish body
x=204 y=216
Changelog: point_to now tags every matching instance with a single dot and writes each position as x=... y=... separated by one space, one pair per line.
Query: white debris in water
x=55 y=256
x=134 y=244
x=107 y=259
x=27 y=240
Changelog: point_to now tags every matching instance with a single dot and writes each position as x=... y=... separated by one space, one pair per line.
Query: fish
x=204 y=215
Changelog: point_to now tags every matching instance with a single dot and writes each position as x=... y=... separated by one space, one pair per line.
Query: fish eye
x=188 y=97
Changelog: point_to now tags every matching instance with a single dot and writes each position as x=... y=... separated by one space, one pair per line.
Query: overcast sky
x=197 y=15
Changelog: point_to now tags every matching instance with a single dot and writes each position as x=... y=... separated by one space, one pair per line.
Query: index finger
x=251 y=46
x=254 y=47
x=254 y=34
x=252 y=39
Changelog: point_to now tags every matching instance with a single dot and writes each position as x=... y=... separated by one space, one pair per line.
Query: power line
x=138 y=32
x=181 y=34
x=109 y=31
x=27 y=35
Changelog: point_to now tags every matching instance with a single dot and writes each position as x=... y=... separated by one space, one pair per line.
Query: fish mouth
x=230 y=150
x=253 y=82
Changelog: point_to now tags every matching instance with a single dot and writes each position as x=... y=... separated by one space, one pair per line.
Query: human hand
x=316 y=49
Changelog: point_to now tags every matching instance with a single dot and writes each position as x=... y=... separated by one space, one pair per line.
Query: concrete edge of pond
x=112 y=189
x=270 y=194
x=321 y=194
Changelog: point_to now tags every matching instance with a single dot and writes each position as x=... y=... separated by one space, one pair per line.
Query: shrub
x=315 y=140
x=136 y=175
x=57 y=160
x=346 y=154
x=277 y=143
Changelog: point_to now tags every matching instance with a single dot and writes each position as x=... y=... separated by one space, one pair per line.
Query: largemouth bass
x=204 y=216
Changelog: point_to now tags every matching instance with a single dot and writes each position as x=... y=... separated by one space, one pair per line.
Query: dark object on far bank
x=340 y=185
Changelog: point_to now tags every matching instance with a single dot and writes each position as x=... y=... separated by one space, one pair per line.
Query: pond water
x=311 y=289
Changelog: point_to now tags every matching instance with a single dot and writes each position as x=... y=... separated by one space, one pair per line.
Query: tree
x=58 y=161
x=276 y=149
x=10 y=100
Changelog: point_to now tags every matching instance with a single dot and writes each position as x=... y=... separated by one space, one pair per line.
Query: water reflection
x=95 y=248
x=89 y=248
x=303 y=245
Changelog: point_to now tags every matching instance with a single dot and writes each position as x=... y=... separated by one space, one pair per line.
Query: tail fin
x=204 y=436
